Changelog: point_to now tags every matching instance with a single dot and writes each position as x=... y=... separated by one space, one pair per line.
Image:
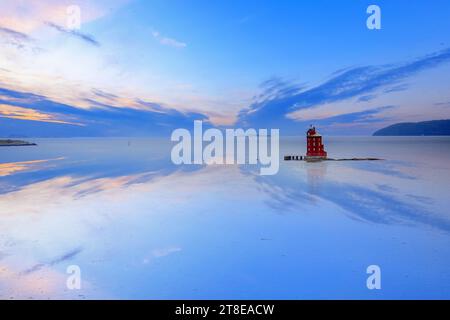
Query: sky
x=143 y=68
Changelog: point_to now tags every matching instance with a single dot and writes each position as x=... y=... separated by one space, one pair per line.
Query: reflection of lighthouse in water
x=315 y=175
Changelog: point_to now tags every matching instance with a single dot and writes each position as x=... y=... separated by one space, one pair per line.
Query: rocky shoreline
x=312 y=159
x=15 y=143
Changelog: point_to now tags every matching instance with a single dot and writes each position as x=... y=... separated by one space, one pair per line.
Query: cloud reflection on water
x=122 y=217
x=10 y=168
x=355 y=189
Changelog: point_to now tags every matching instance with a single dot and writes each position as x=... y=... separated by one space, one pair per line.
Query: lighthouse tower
x=314 y=148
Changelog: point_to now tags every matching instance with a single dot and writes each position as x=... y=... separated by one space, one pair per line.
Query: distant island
x=425 y=128
x=15 y=143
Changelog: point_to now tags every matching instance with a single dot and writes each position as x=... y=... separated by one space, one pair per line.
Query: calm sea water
x=140 y=227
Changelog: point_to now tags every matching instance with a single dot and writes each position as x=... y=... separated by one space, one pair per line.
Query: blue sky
x=147 y=67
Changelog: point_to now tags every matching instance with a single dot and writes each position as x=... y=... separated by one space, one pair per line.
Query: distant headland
x=15 y=143
x=425 y=128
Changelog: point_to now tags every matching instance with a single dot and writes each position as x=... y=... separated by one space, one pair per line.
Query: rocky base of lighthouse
x=305 y=158
x=316 y=159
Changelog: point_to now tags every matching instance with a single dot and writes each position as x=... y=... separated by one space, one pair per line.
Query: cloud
x=366 y=116
x=17 y=39
x=16 y=35
x=27 y=16
x=83 y=36
x=367 y=98
x=401 y=87
x=20 y=113
x=279 y=98
x=168 y=41
x=27 y=114
x=66 y=256
x=103 y=94
x=440 y=104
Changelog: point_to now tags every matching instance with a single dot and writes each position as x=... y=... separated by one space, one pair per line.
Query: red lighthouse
x=315 y=149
